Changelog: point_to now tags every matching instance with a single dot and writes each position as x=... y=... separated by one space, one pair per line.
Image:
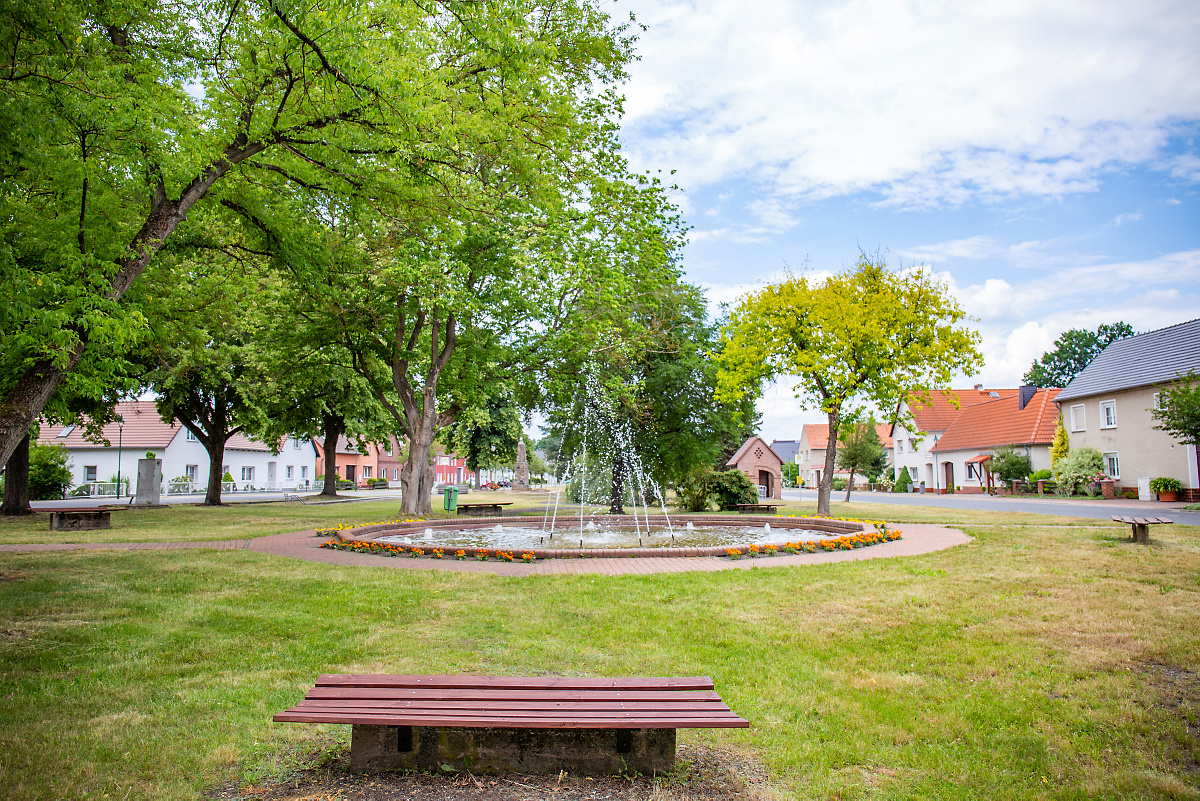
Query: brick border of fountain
x=842 y=527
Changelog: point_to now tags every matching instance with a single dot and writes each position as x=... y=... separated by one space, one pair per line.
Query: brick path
x=917 y=539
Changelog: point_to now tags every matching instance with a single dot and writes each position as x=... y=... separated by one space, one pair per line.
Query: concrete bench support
x=80 y=520
x=502 y=750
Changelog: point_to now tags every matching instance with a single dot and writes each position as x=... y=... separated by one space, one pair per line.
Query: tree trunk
x=335 y=426
x=849 y=486
x=416 y=476
x=825 y=487
x=16 y=481
x=216 y=471
x=25 y=401
x=616 y=495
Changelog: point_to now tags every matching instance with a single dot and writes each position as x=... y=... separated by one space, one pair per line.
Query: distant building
x=763 y=466
x=814 y=441
x=185 y=461
x=930 y=418
x=787 y=449
x=1026 y=421
x=1109 y=405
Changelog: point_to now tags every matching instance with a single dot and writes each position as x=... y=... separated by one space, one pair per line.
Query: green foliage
x=791 y=474
x=227 y=478
x=487 y=435
x=1165 y=484
x=839 y=483
x=1078 y=468
x=903 y=481
x=49 y=471
x=860 y=451
x=1009 y=463
x=731 y=487
x=1060 y=446
x=1073 y=351
x=695 y=490
x=865 y=336
x=1178 y=412
x=1041 y=475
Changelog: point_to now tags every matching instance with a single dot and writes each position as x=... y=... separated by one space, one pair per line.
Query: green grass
x=1036 y=662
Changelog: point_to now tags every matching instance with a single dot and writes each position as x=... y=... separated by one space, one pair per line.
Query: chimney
x=979 y=387
x=1027 y=393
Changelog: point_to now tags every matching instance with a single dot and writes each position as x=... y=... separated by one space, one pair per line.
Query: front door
x=349 y=472
x=764 y=479
x=949 y=476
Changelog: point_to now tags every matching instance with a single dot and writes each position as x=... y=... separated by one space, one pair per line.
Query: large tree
x=1178 y=411
x=866 y=336
x=1073 y=351
x=861 y=451
x=121 y=120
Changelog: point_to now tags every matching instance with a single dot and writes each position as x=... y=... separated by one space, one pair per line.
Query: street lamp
x=120 y=436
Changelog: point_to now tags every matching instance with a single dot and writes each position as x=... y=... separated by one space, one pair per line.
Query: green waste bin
x=450 y=499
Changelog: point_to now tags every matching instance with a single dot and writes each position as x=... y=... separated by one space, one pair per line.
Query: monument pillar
x=521 y=479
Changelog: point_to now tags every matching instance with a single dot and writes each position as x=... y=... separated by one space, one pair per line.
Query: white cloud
x=929 y=104
x=1121 y=219
x=975 y=247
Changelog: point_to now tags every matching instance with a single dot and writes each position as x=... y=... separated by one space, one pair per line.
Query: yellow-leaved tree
x=867 y=336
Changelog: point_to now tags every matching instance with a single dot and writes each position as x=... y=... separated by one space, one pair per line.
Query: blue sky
x=1043 y=159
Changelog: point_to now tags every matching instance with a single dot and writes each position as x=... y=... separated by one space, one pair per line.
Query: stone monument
x=149 y=482
x=521 y=479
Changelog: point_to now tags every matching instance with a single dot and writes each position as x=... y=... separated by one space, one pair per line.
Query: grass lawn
x=1040 y=661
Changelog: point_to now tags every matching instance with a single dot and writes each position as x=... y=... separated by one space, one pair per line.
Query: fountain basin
x=615 y=536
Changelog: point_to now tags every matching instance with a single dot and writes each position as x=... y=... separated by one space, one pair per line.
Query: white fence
x=113 y=489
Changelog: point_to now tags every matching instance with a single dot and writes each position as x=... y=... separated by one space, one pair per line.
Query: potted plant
x=1165 y=487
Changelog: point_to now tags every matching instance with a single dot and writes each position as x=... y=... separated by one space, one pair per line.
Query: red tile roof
x=999 y=422
x=818 y=435
x=143 y=428
x=733 y=460
x=939 y=412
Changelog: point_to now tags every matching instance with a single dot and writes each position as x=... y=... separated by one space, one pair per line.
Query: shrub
x=1079 y=466
x=1165 y=484
x=49 y=475
x=695 y=490
x=732 y=487
x=1041 y=475
x=1010 y=464
x=839 y=483
x=227 y=478
x=904 y=481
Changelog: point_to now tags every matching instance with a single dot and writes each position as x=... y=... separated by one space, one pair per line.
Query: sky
x=1043 y=159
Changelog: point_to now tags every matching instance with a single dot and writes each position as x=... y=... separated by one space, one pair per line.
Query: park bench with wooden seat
x=483 y=508
x=513 y=724
x=753 y=508
x=1141 y=526
x=79 y=518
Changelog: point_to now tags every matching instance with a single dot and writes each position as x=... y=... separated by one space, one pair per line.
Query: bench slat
x=539 y=714
x=385 y=693
x=538 y=722
x=563 y=706
x=589 y=684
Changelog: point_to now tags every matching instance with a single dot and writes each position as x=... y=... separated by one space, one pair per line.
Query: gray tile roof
x=1155 y=357
x=786 y=448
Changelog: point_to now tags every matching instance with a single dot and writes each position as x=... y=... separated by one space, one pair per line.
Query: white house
x=814 y=441
x=925 y=422
x=185 y=461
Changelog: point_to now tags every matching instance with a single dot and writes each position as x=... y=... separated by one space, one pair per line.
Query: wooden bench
x=483 y=509
x=1141 y=526
x=79 y=518
x=753 y=508
x=509 y=724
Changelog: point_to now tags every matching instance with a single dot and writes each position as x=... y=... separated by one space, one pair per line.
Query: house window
x=366 y=471
x=1112 y=466
x=304 y=472
x=1108 y=414
x=1078 y=418
x=224 y=469
x=247 y=474
x=1157 y=402
x=290 y=470
x=189 y=435
x=899 y=446
x=395 y=474
x=66 y=432
x=89 y=472
x=190 y=472
x=388 y=448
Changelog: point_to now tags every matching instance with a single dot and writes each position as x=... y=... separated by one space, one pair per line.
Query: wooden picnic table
x=538 y=724
x=1141 y=526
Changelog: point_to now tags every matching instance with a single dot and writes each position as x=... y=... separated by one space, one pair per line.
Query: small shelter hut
x=762 y=464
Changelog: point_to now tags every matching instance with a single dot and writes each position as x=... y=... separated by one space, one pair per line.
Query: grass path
x=1034 y=662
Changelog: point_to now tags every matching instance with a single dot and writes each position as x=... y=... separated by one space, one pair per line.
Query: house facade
x=1026 y=421
x=924 y=421
x=762 y=465
x=814 y=441
x=1109 y=406
x=185 y=461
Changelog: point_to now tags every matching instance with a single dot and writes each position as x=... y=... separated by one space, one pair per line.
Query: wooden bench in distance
x=754 y=508
x=511 y=724
x=482 y=509
x=1141 y=526
x=79 y=518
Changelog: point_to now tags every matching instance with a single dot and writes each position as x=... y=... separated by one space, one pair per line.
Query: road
x=1098 y=509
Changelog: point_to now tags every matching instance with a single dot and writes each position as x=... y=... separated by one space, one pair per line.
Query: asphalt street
x=1099 y=509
